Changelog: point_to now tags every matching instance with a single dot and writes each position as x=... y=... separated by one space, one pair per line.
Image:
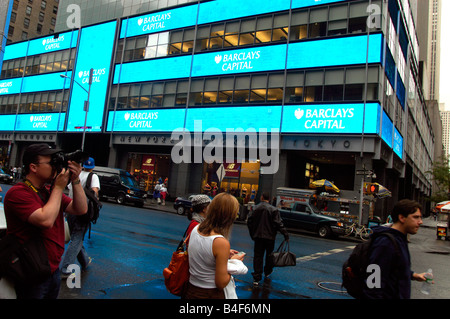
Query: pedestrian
x=156 y=192
x=32 y=208
x=209 y=250
x=263 y=223
x=78 y=225
x=197 y=213
x=395 y=263
x=163 y=192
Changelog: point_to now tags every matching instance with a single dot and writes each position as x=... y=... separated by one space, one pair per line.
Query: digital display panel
x=331 y=118
x=159 y=22
x=94 y=51
x=153 y=70
x=240 y=61
x=246 y=117
x=40 y=122
x=230 y=9
x=330 y=52
x=45 y=82
x=10 y=86
x=386 y=129
x=398 y=143
x=8 y=122
x=155 y=120
x=49 y=44
x=16 y=50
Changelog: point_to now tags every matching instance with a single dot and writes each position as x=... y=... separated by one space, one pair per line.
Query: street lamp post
x=86 y=103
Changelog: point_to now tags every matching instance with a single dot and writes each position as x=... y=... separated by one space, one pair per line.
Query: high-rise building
x=332 y=86
x=32 y=18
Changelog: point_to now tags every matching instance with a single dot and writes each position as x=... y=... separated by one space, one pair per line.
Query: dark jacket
x=264 y=221
x=395 y=266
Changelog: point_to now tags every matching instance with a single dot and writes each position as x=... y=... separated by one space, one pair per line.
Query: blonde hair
x=220 y=216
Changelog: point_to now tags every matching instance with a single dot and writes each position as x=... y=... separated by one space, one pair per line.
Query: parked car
x=183 y=204
x=5 y=178
x=119 y=185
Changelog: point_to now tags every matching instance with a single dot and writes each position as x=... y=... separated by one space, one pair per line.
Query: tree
x=441 y=177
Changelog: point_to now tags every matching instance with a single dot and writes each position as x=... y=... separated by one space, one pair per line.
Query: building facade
x=32 y=18
x=301 y=90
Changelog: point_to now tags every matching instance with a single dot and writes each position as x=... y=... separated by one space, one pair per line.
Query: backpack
x=94 y=204
x=354 y=269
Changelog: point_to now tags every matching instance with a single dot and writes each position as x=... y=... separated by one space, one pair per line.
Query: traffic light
x=372 y=188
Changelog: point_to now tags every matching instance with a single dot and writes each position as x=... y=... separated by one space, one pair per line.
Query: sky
x=444 y=86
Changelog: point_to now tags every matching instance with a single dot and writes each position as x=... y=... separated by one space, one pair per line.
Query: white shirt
x=202 y=264
x=95 y=182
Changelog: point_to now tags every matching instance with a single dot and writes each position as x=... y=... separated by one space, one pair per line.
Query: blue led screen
x=398 y=143
x=386 y=129
x=48 y=44
x=331 y=118
x=7 y=122
x=159 y=22
x=246 y=117
x=40 y=122
x=16 y=50
x=10 y=86
x=240 y=61
x=219 y=10
x=45 y=82
x=155 y=120
x=95 y=51
x=153 y=70
x=330 y=52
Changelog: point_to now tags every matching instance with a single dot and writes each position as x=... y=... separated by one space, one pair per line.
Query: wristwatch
x=75 y=182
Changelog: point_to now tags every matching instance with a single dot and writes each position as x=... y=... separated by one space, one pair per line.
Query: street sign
x=221 y=172
x=364 y=172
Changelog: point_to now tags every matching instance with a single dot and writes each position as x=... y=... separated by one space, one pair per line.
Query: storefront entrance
x=240 y=180
x=148 y=169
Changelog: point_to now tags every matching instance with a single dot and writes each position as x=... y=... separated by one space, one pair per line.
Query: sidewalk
x=429 y=222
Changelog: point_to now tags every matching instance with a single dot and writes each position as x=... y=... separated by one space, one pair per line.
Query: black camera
x=61 y=160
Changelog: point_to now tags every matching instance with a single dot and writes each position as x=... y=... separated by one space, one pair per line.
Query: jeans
x=48 y=289
x=262 y=246
x=75 y=250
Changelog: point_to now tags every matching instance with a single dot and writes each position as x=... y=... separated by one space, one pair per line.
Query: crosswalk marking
x=322 y=254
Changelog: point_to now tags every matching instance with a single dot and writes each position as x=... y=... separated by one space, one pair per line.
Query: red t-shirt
x=20 y=202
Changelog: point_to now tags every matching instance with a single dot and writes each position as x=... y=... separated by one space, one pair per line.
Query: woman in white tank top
x=209 y=250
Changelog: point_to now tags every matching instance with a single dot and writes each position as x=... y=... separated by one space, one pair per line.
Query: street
x=131 y=246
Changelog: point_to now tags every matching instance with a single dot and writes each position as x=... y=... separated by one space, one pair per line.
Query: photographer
x=33 y=208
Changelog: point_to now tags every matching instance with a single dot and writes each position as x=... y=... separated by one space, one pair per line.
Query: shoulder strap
x=88 y=181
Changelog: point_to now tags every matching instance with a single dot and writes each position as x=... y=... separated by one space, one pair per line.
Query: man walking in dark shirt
x=263 y=223
x=395 y=262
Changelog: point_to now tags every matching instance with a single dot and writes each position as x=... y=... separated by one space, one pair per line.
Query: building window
x=53 y=21
x=39 y=28
x=26 y=23
x=13 y=17
x=43 y=4
x=24 y=35
x=28 y=10
x=41 y=16
x=10 y=31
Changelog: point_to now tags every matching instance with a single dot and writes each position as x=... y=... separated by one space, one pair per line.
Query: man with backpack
x=78 y=225
x=381 y=267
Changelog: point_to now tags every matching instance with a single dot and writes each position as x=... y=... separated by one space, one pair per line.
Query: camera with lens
x=61 y=160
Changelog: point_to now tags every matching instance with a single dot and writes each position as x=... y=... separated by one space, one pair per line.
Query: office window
x=299 y=25
x=43 y=4
x=24 y=35
x=41 y=16
x=26 y=23
x=28 y=10
x=13 y=17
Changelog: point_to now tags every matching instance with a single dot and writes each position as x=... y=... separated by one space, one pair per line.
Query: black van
x=120 y=185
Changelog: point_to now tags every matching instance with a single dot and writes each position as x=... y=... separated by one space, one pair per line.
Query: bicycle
x=362 y=231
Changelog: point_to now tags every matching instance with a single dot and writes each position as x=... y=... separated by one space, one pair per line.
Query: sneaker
x=255 y=283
